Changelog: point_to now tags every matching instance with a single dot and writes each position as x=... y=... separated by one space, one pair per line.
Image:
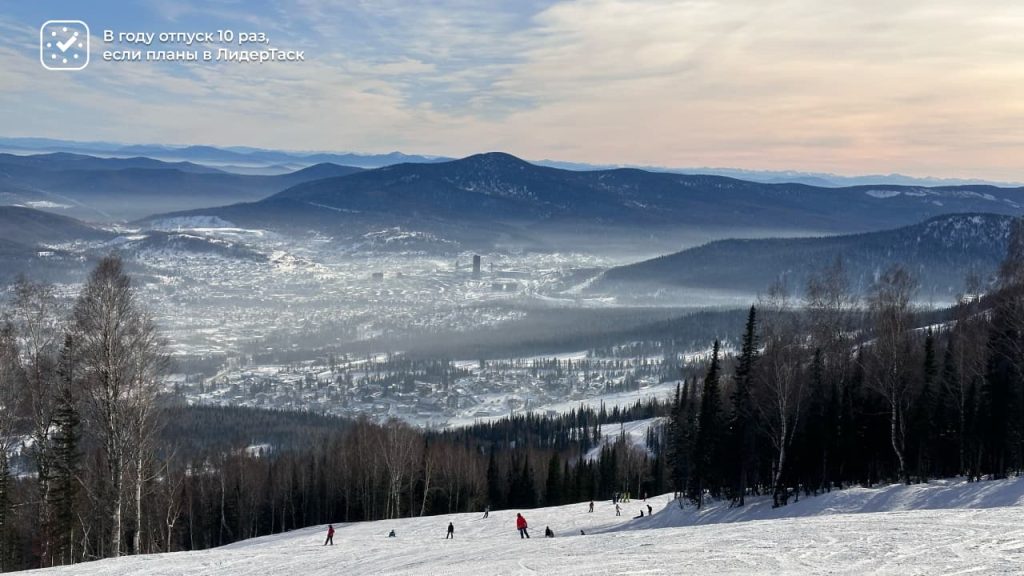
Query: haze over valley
x=545 y=287
x=280 y=273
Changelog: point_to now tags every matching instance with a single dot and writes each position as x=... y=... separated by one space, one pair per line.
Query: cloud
x=929 y=87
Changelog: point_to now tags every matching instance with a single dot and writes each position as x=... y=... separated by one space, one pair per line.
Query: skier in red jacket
x=521 y=525
x=330 y=535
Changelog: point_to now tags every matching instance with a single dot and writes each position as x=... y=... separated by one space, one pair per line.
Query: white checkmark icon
x=67 y=43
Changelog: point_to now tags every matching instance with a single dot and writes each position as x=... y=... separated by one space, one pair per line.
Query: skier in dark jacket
x=548 y=533
x=521 y=526
x=451 y=531
x=650 y=510
x=330 y=535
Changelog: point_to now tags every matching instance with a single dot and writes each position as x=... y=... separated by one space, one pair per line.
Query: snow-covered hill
x=948 y=527
x=938 y=252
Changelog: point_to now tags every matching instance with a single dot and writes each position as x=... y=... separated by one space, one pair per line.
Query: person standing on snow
x=487 y=510
x=591 y=506
x=451 y=531
x=521 y=526
x=618 y=510
x=330 y=535
x=548 y=533
x=650 y=510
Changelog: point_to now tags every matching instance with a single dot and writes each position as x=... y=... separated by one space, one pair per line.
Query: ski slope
x=634 y=433
x=948 y=527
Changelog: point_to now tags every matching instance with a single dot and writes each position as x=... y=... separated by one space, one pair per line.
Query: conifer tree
x=925 y=411
x=495 y=495
x=553 y=485
x=742 y=418
x=708 y=440
x=1003 y=399
x=64 y=492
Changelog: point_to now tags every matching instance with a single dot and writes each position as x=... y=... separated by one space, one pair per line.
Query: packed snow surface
x=948 y=527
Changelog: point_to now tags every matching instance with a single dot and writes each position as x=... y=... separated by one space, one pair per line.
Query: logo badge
x=64 y=44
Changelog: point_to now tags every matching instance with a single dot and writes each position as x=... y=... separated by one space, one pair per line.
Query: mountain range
x=493 y=198
x=231 y=155
x=939 y=252
x=248 y=160
x=497 y=201
x=117 y=189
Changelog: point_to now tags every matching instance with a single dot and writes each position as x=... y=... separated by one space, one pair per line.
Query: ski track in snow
x=942 y=528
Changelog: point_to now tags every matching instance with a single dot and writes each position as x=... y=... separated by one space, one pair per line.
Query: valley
x=284 y=301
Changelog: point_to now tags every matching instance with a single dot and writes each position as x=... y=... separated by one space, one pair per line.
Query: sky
x=919 y=87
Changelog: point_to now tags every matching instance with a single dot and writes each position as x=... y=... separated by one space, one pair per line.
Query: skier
x=521 y=526
x=618 y=510
x=582 y=533
x=451 y=531
x=330 y=535
x=548 y=533
x=591 y=506
x=487 y=510
x=392 y=533
x=650 y=510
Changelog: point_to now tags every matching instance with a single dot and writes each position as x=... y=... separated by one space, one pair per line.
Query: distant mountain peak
x=494 y=161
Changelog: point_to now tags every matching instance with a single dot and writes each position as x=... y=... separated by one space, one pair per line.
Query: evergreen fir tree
x=924 y=410
x=705 y=475
x=815 y=430
x=528 y=491
x=494 y=491
x=64 y=490
x=742 y=421
x=953 y=429
x=553 y=486
x=1003 y=398
x=6 y=515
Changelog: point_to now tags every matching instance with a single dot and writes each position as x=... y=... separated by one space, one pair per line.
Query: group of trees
x=825 y=392
x=96 y=462
x=842 y=390
x=78 y=400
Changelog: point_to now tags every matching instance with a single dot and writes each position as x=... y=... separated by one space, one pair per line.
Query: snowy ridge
x=944 y=527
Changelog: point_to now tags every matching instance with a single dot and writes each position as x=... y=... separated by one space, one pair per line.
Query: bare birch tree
x=120 y=358
x=891 y=304
x=968 y=352
x=779 y=389
x=398 y=448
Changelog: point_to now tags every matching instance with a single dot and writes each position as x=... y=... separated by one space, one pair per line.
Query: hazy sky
x=921 y=87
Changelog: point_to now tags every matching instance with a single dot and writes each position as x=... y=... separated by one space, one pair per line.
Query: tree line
x=843 y=390
x=97 y=461
x=826 y=390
